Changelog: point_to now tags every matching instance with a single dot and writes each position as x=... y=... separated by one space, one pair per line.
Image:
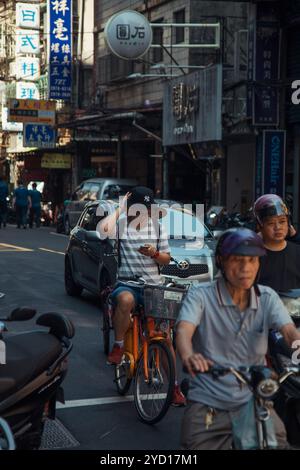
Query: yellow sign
x=42 y=111
x=56 y=160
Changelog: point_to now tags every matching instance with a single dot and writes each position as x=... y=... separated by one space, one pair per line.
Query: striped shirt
x=133 y=263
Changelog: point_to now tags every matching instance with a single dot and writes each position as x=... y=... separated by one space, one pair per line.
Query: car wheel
x=67 y=226
x=72 y=288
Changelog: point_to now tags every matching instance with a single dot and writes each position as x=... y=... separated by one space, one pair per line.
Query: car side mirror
x=92 y=236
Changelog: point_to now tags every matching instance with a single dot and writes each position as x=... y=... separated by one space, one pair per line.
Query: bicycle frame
x=138 y=336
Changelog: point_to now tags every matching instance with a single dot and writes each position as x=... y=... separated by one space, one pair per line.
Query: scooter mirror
x=21 y=314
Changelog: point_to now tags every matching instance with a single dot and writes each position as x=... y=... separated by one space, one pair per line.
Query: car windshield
x=181 y=225
x=115 y=190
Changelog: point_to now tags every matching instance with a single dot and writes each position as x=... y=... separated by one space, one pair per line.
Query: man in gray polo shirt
x=226 y=322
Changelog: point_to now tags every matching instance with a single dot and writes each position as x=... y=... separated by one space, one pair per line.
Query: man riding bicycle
x=143 y=247
x=226 y=322
x=280 y=269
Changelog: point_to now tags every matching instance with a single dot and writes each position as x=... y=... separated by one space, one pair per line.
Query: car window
x=88 y=221
x=113 y=191
x=94 y=190
x=82 y=194
x=182 y=225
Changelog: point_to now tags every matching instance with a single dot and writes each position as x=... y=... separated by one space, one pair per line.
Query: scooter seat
x=28 y=354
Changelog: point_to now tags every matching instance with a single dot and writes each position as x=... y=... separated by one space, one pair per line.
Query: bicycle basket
x=163 y=302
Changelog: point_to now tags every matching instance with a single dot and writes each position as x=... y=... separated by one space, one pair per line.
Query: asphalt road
x=31 y=264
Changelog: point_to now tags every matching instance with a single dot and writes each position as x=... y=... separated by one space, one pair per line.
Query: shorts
x=136 y=291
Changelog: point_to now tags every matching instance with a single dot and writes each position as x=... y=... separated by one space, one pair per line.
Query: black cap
x=141 y=195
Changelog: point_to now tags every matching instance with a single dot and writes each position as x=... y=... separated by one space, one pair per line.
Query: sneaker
x=178 y=397
x=115 y=356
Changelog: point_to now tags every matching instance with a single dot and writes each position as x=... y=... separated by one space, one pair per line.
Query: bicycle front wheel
x=153 y=397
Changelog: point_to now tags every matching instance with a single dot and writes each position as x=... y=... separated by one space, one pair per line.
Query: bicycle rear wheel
x=106 y=327
x=153 y=397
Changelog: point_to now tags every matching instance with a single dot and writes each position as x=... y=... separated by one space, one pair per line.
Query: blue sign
x=274 y=161
x=39 y=135
x=60 y=49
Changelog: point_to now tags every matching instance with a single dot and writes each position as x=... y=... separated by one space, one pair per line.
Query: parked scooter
x=287 y=403
x=31 y=375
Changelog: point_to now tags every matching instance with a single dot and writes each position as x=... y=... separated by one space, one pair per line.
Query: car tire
x=72 y=288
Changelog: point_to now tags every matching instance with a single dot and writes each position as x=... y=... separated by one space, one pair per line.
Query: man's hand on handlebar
x=196 y=363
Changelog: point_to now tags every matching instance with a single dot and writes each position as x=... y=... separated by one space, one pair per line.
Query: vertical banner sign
x=258 y=181
x=266 y=70
x=274 y=161
x=60 y=49
x=251 y=55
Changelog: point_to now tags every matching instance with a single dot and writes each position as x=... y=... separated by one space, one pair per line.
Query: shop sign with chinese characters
x=192 y=107
x=28 y=68
x=27 y=90
x=56 y=160
x=27 y=15
x=41 y=111
x=128 y=34
x=27 y=41
x=60 y=49
x=39 y=135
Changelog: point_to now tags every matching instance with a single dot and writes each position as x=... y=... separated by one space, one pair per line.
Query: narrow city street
x=32 y=263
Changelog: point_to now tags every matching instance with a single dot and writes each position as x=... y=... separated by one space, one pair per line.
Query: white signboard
x=27 y=15
x=27 y=41
x=28 y=68
x=10 y=126
x=128 y=34
x=27 y=90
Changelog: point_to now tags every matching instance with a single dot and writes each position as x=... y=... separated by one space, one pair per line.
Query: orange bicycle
x=149 y=358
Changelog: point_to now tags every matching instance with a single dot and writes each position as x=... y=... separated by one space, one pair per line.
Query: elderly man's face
x=241 y=271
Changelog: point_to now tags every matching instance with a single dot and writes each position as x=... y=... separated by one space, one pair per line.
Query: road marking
x=13 y=247
x=59 y=234
x=52 y=251
x=103 y=401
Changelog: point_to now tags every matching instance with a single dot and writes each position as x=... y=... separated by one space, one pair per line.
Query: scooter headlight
x=267 y=388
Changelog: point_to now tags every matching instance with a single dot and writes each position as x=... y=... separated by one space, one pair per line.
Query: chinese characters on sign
x=192 y=108
x=27 y=15
x=185 y=100
x=28 y=68
x=128 y=34
x=27 y=41
x=41 y=111
x=39 y=135
x=60 y=49
x=274 y=161
x=265 y=97
x=27 y=90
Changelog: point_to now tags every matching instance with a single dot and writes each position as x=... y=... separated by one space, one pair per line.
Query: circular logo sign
x=128 y=34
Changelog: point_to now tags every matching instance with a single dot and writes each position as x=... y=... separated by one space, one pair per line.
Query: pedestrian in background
x=21 y=202
x=3 y=202
x=35 y=209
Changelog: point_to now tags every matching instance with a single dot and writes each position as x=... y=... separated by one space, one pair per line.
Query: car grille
x=193 y=270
